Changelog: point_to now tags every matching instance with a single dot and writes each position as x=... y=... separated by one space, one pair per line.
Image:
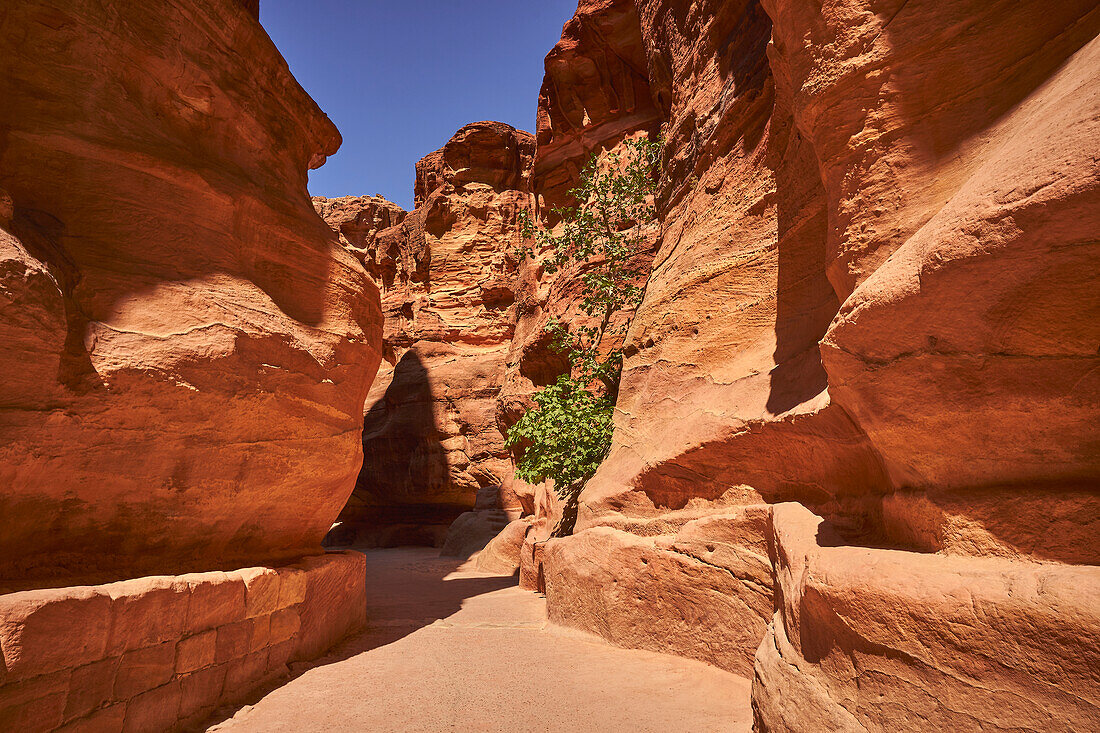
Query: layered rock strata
x=595 y=93
x=448 y=278
x=873 y=295
x=187 y=352
x=187 y=347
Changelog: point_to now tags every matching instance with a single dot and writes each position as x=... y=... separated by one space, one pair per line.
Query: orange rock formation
x=855 y=449
x=448 y=279
x=188 y=347
x=874 y=295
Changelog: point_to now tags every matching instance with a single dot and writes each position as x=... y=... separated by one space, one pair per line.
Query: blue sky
x=398 y=77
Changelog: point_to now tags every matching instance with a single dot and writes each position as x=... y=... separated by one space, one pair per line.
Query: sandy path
x=455 y=651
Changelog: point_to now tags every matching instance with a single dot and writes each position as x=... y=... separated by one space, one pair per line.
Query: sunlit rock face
x=595 y=95
x=963 y=193
x=447 y=271
x=725 y=344
x=874 y=295
x=187 y=347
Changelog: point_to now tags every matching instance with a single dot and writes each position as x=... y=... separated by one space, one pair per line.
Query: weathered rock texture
x=358 y=220
x=875 y=295
x=448 y=279
x=475 y=529
x=187 y=347
x=158 y=653
x=595 y=93
x=868 y=639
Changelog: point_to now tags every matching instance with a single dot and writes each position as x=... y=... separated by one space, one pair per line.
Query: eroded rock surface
x=448 y=279
x=867 y=639
x=874 y=294
x=595 y=93
x=187 y=348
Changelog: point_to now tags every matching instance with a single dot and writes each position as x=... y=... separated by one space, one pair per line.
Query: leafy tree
x=567 y=435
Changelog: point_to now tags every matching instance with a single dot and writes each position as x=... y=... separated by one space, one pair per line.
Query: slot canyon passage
x=254 y=473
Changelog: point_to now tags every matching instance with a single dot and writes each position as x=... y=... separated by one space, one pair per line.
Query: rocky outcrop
x=595 y=93
x=979 y=201
x=187 y=347
x=358 y=220
x=475 y=529
x=870 y=639
x=699 y=354
x=703 y=590
x=448 y=279
x=871 y=296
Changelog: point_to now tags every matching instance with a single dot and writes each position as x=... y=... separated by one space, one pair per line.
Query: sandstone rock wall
x=874 y=294
x=595 y=95
x=448 y=280
x=187 y=347
x=874 y=640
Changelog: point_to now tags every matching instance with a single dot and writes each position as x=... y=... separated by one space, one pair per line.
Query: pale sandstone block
x=144 y=669
x=47 y=630
x=284 y=625
x=261 y=591
x=261 y=633
x=244 y=674
x=292 y=586
x=278 y=655
x=216 y=599
x=201 y=691
x=196 y=652
x=146 y=611
x=335 y=601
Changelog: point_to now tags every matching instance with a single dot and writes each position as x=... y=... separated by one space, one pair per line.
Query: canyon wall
x=855 y=452
x=448 y=274
x=594 y=96
x=187 y=349
x=874 y=294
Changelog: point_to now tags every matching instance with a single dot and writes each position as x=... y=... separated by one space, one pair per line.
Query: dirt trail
x=451 y=650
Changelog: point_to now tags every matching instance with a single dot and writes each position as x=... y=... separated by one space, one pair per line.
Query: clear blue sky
x=398 y=77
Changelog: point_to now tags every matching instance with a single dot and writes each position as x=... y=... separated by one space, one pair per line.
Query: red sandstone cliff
x=595 y=94
x=855 y=441
x=448 y=280
x=874 y=295
x=187 y=347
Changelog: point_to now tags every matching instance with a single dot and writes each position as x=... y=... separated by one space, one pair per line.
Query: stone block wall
x=158 y=653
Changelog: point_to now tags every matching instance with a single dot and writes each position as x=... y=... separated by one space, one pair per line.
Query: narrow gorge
x=255 y=471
